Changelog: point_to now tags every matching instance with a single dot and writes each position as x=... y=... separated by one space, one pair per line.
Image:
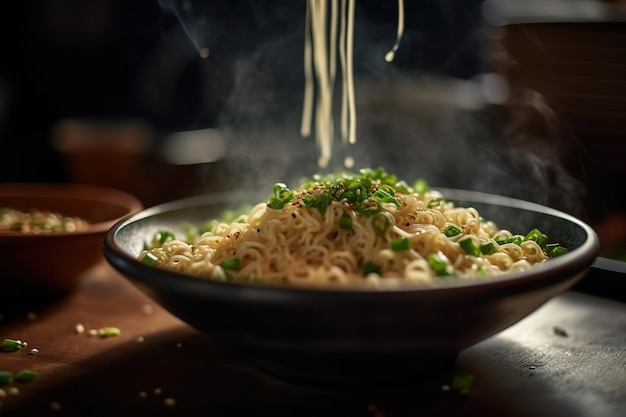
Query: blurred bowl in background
x=106 y=152
x=52 y=262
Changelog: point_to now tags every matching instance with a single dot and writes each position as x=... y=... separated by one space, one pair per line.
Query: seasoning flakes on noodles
x=351 y=230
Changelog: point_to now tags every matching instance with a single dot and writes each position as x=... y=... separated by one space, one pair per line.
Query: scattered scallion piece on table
x=463 y=382
x=6 y=377
x=109 y=332
x=26 y=376
x=554 y=249
x=12 y=344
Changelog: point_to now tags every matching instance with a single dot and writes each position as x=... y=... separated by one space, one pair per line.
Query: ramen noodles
x=329 y=35
x=364 y=229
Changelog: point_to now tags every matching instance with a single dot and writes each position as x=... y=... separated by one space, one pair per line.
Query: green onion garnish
x=488 y=248
x=322 y=201
x=369 y=208
x=281 y=196
x=439 y=265
x=538 y=237
x=420 y=186
x=163 y=236
x=517 y=239
x=403 y=188
x=400 y=244
x=554 y=249
x=190 y=232
x=385 y=195
x=232 y=264
x=451 y=229
x=469 y=247
x=150 y=259
x=370 y=268
x=380 y=224
x=481 y=272
x=282 y=192
x=345 y=223
x=435 y=202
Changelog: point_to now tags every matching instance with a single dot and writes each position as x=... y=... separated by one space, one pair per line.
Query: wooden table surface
x=568 y=358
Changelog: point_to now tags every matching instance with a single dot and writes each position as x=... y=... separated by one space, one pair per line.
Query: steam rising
x=461 y=133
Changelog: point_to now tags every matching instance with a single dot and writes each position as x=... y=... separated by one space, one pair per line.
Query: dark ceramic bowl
x=354 y=336
x=52 y=263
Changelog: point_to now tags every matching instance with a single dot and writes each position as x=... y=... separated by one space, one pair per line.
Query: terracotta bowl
x=354 y=336
x=51 y=263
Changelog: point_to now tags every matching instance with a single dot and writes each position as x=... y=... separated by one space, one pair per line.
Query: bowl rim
x=65 y=191
x=556 y=270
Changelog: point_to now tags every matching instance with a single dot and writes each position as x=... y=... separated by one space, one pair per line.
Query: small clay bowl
x=52 y=262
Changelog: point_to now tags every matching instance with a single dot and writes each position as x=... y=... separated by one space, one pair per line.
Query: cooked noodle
x=326 y=36
x=352 y=230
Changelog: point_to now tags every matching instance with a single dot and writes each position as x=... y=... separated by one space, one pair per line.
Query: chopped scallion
x=150 y=259
x=232 y=264
x=163 y=236
x=109 y=332
x=369 y=208
x=400 y=244
x=435 y=202
x=322 y=201
x=517 y=239
x=463 y=382
x=538 y=237
x=451 y=229
x=554 y=249
x=380 y=224
x=385 y=195
x=469 y=246
x=439 y=265
x=11 y=344
x=6 y=377
x=488 y=248
x=345 y=223
x=25 y=376
x=281 y=196
x=420 y=186
x=370 y=268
